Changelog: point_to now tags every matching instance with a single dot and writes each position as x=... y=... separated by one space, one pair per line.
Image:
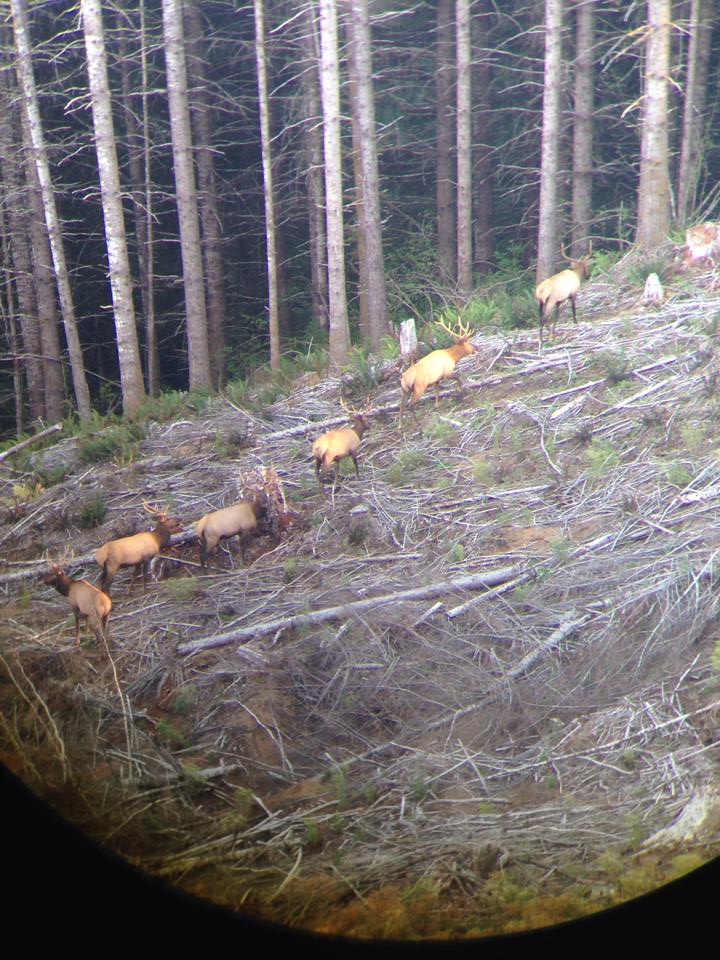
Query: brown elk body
x=241 y=519
x=432 y=369
x=552 y=293
x=335 y=445
x=87 y=602
x=136 y=551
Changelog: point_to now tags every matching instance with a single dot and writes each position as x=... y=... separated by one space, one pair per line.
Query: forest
x=346 y=584
x=465 y=152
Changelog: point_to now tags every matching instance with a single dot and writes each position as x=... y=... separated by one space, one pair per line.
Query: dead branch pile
x=375 y=654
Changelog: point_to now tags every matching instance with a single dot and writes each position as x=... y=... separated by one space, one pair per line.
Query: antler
x=458 y=331
x=352 y=412
x=155 y=511
x=570 y=259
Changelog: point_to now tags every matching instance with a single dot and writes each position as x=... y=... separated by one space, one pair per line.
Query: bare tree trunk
x=654 y=188
x=9 y=312
x=547 y=227
x=330 y=92
x=583 y=127
x=210 y=220
x=26 y=81
x=193 y=279
x=15 y=202
x=463 y=53
x=45 y=289
x=484 y=223
x=372 y=265
x=270 y=234
x=138 y=155
x=693 y=114
x=445 y=124
x=131 y=379
x=313 y=141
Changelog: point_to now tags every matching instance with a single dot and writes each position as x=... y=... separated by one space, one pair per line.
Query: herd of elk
x=553 y=292
x=243 y=519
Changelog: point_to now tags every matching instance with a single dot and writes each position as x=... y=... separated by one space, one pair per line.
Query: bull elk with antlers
x=136 y=551
x=553 y=292
x=335 y=445
x=437 y=366
x=87 y=602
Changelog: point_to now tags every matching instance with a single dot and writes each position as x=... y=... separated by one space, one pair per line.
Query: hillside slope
x=407 y=767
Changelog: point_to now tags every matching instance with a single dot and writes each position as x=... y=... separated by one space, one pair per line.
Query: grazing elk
x=87 y=602
x=335 y=445
x=136 y=551
x=240 y=519
x=437 y=366
x=553 y=292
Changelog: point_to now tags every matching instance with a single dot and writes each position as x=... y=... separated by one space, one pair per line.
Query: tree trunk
x=45 y=289
x=445 y=124
x=192 y=265
x=131 y=379
x=313 y=158
x=583 y=128
x=210 y=219
x=654 y=188
x=372 y=265
x=26 y=82
x=270 y=233
x=463 y=48
x=330 y=92
x=549 y=153
x=15 y=202
x=693 y=113
x=9 y=312
x=483 y=204
x=138 y=156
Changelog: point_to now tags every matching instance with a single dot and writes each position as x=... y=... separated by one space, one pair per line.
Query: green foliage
x=639 y=271
x=456 y=553
x=184 y=700
x=170 y=735
x=693 y=437
x=482 y=470
x=290 y=569
x=361 y=373
x=677 y=474
x=604 y=260
x=407 y=463
x=420 y=788
x=183 y=588
x=50 y=476
x=439 y=428
x=602 y=457
x=114 y=441
x=93 y=512
x=615 y=366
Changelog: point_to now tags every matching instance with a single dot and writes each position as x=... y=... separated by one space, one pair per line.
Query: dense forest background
x=255 y=89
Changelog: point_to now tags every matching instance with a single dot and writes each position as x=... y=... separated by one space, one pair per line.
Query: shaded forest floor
x=469 y=763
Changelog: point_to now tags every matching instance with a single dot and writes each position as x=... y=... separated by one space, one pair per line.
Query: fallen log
x=30 y=440
x=471 y=582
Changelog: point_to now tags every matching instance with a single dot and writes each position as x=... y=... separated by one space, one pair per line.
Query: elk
x=437 y=366
x=240 y=519
x=136 y=551
x=335 y=445
x=554 y=291
x=86 y=600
